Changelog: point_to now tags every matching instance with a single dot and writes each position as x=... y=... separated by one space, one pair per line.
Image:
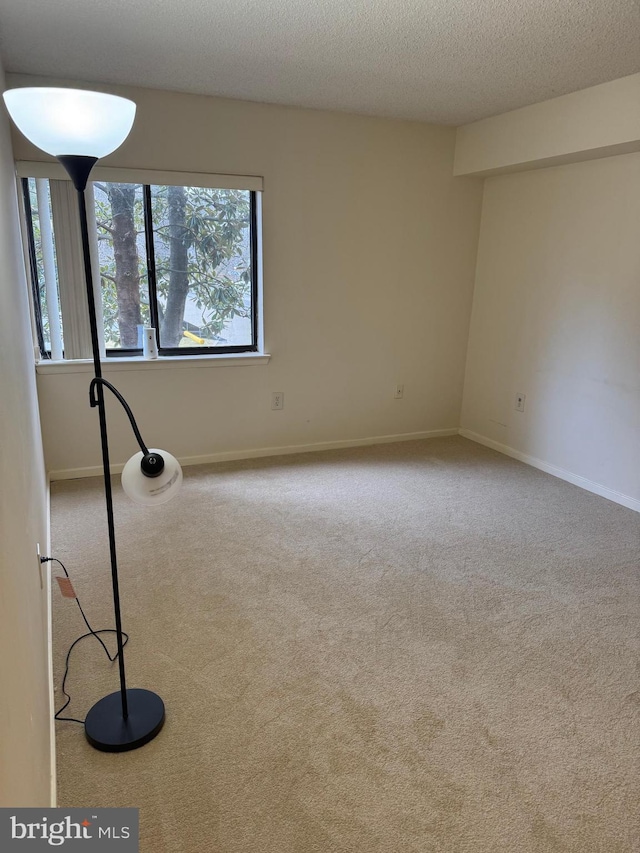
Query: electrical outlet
x=40 y=564
x=520 y=398
x=277 y=401
x=398 y=394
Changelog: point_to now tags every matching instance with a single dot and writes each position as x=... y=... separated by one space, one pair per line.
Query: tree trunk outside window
x=171 y=330
x=125 y=250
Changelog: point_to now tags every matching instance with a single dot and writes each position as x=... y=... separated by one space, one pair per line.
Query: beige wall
x=596 y=122
x=556 y=315
x=25 y=746
x=369 y=255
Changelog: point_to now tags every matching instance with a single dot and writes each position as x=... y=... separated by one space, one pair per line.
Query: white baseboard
x=570 y=477
x=231 y=455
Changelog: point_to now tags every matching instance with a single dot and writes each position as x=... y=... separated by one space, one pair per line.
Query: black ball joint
x=152 y=464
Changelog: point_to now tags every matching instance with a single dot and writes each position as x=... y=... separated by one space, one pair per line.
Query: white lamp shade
x=66 y=122
x=152 y=490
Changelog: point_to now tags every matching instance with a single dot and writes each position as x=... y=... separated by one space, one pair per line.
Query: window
x=179 y=256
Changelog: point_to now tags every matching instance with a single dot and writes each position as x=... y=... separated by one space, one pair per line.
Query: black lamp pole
x=128 y=718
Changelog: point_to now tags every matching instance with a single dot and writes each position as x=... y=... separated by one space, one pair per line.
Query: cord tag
x=66 y=587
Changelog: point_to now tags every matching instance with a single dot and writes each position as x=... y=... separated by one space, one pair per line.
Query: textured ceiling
x=446 y=61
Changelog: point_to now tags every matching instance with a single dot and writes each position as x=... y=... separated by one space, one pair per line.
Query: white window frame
x=73 y=301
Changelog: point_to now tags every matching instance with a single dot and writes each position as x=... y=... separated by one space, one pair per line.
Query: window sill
x=117 y=365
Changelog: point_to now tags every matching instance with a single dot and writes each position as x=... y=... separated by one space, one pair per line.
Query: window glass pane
x=123 y=263
x=203 y=266
x=52 y=271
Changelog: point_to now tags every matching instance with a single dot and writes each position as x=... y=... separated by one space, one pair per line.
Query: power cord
x=91 y=633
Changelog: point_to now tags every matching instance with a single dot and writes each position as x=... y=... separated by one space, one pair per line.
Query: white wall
x=556 y=315
x=25 y=747
x=369 y=255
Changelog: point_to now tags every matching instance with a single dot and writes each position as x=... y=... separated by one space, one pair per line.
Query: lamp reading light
x=153 y=478
x=78 y=127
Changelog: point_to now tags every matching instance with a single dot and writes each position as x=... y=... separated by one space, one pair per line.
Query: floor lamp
x=79 y=127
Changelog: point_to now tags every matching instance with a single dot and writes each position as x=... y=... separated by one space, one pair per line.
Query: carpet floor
x=423 y=646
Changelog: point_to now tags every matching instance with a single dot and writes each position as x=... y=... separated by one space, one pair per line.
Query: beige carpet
x=414 y=647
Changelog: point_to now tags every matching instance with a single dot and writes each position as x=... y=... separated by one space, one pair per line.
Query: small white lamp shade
x=152 y=490
x=65 y=122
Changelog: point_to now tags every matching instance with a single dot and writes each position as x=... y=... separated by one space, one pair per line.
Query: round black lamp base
x=107 y=730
